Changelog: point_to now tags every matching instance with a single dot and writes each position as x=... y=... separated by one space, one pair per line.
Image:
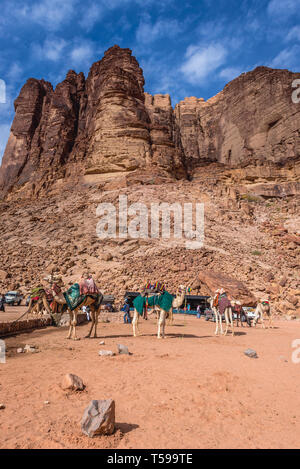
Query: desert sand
x=191 y=390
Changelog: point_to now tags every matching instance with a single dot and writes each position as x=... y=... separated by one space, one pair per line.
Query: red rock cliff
x=106 y=124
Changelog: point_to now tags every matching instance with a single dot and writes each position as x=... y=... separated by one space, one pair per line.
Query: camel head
x=181 y=291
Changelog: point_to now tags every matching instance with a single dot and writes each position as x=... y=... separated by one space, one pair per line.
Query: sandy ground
x=12 y=313
x=191 y=390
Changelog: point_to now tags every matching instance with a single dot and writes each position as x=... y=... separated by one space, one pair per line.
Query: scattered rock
x=251 y=353
x=46 y=402
x=20 y=350
x=122 y=349
x=102 y=342
x=30 y=349
x=72 y=382
x=3 y=275
x=2 y=406
x=99 y=418
x=237 y=289
x=106 y=353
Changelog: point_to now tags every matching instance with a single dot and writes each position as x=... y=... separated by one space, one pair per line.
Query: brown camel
x=93 y=301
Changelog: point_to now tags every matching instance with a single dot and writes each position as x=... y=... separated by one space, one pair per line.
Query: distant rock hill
x=106 y=128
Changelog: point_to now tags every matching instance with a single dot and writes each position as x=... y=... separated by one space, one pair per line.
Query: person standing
x=126 y=309
x=2 y=302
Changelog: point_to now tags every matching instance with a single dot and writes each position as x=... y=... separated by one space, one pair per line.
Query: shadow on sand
x=126 y=427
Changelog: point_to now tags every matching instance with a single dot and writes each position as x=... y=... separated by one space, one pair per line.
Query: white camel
x=218 y=317
x=263 y=307
x=214 y=304
x=177 y=301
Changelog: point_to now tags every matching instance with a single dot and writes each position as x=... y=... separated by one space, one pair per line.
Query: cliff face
x=252 y=120
x=107 y=125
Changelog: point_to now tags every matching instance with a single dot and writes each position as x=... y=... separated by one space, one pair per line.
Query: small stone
x=106 y=353
x=46 y=402
x=251 y=353
x=99 y=418
x=2 y=406
x=72 y=382
x=30 y=349
x=102 y=342
x=123 y=349
x=20 y=350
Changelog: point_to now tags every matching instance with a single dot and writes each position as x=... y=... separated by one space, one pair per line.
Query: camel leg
x=217 y=321
x=29 y=308
x=221 y=323
x=135 y=322
x=256 y=316
x=96 y=323
x=262 y=320
x=46 y=305
x=171 y=316
x=70 y=325
x=92 y=316
x=161 y=325
x=226 y=320
x=231 y=320
x=74 y=323
x=270 y=319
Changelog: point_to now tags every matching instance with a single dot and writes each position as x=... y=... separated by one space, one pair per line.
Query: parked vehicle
x=250 y=312
x=27 y=300
x=13 y=298
x=209 y=315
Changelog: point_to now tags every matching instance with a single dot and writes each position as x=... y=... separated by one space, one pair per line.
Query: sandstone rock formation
x=235 y=288
x=90 y=140
x=105 y=127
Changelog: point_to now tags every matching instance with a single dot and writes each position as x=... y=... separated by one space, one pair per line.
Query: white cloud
x=14 y=73
x=148 y=32
x=287 y=58
x=294 y=34
x=92 y=13
x=82 y=54
x=52 y=49
x=282 y=9
x=51 y=14
x=229 y=73
x=202 y=61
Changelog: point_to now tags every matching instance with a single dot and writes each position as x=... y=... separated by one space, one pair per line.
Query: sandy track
x=12 y=313
x=191 y=390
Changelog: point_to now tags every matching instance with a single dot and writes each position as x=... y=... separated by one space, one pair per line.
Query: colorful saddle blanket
x=155 y=287
x=74 y=299
x=223 y=303
x=37 y=292
x=265 y=303
x=164 y=301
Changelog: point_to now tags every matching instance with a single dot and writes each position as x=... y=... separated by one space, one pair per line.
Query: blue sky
x=190 y=48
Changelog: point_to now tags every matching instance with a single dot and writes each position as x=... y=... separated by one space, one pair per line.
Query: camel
x=214 y=303
x=91 y=301
x=176 y=304
x=38 y=306
x=218 y=317
x=262 y=308
x=177 y=301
